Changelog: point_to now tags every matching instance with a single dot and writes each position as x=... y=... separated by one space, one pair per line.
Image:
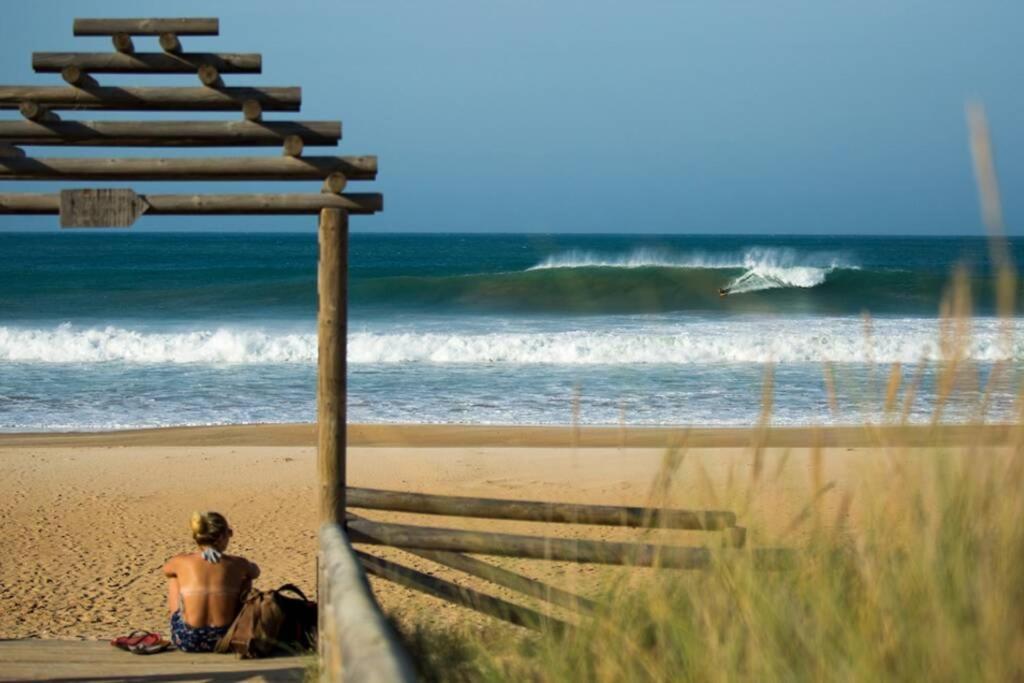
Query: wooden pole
x=356 y=642
x=506 y=578
x=467 y=597
x=557 y=549
x=188 y=168
x=147 y=62
x=123 y=43
x=334 y=183
x=169 y=43
x=252 y=110
x=76 y=76
x=190 y=26
x=151 y=99
x=212 y=204
x=169 y=133
x=536 y=511
x=209 y=76
x=33 y=111
x=332 y=281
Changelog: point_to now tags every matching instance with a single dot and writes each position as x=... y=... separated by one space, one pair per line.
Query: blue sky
x=670 y=117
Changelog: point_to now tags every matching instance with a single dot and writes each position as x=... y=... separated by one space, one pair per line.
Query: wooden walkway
x=86 y=661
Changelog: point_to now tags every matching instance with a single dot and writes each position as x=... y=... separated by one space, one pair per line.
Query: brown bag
x=271 y=623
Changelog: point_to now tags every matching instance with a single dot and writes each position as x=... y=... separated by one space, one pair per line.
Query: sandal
x=135 y=638
x=150 y=648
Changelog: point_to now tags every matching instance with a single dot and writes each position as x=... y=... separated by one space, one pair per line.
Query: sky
x=724 y=116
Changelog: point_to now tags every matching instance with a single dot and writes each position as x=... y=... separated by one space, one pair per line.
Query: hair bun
x=208 y=527
x=198 y=524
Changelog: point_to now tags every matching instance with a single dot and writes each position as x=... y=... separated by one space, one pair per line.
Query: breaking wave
x=838 y=340
x=762 y=268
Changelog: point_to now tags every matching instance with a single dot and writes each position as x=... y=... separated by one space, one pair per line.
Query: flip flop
x=135 y=638
x=149 y=648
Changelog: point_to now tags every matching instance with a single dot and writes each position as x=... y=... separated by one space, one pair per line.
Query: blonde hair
x=208 y=527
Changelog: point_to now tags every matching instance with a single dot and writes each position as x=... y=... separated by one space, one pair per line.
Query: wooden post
x=332 y=286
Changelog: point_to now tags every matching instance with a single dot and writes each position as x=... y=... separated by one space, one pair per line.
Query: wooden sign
x=104 y=208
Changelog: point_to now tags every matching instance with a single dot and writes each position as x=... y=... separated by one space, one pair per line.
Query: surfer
x=724 y=291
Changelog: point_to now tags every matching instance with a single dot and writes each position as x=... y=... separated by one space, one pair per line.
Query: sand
x=87 y=520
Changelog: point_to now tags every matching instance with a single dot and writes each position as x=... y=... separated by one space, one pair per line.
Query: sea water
x=113 y=330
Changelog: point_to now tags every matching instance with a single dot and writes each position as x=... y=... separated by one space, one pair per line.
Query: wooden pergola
x=355 y=640
x=42 y=109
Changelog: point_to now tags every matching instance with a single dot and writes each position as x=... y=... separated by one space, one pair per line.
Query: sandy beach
x=86 y=520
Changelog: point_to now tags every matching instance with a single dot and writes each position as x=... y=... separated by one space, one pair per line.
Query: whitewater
x=763 y=268
x=832 y=340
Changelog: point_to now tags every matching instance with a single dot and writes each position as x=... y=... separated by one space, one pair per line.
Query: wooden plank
x=102 y=208
x=169 y=133
x=332 y=321
x=537 y=511
x=190 y=26
x=188 y=168
x=35 y=659
x=151 y=99
x=467 y=597
x=356 y=641
x=557 y=549
x=212 y=204
x=147 y=62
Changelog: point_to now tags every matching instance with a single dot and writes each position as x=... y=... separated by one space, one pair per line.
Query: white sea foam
x=638 y=258
x=69 y=344
x=839 y=340
x=764 y=268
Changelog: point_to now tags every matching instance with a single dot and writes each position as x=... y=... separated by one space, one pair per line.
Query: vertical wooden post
x=332 y=286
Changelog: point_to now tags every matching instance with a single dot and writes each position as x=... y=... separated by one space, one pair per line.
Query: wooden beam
x=536 y=511
x=186 y=168
x=122 y=43
x=506 y=578
x=169 y=133
x=213 y=204
x=205 y=26
x=147 y=62
x=356 y=641
x=169 y=43
x=557 y=549
x=209 y=76
x=293 y=146
x=467 y=597
x=152 y=99
x=11 y=151
x=334 y=183
x=33 y=111
x=332 y=321
x=76 y=76
x=252 y=110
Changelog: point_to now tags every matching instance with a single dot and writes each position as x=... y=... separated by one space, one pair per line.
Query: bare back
x=208 y=594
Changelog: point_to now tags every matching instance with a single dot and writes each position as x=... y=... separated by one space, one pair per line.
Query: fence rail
x=356 y=641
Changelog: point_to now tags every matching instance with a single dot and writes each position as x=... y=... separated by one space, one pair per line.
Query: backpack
x=270 y=623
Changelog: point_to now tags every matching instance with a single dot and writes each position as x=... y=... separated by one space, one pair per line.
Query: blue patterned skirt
x=194 y=638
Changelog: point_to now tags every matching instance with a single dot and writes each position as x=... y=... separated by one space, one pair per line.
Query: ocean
x=104 y=330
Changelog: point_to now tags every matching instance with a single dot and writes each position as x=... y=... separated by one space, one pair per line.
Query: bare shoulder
x=251 y=569
x=171 y=565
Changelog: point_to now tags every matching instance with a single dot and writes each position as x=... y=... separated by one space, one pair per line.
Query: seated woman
x=206 y=588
